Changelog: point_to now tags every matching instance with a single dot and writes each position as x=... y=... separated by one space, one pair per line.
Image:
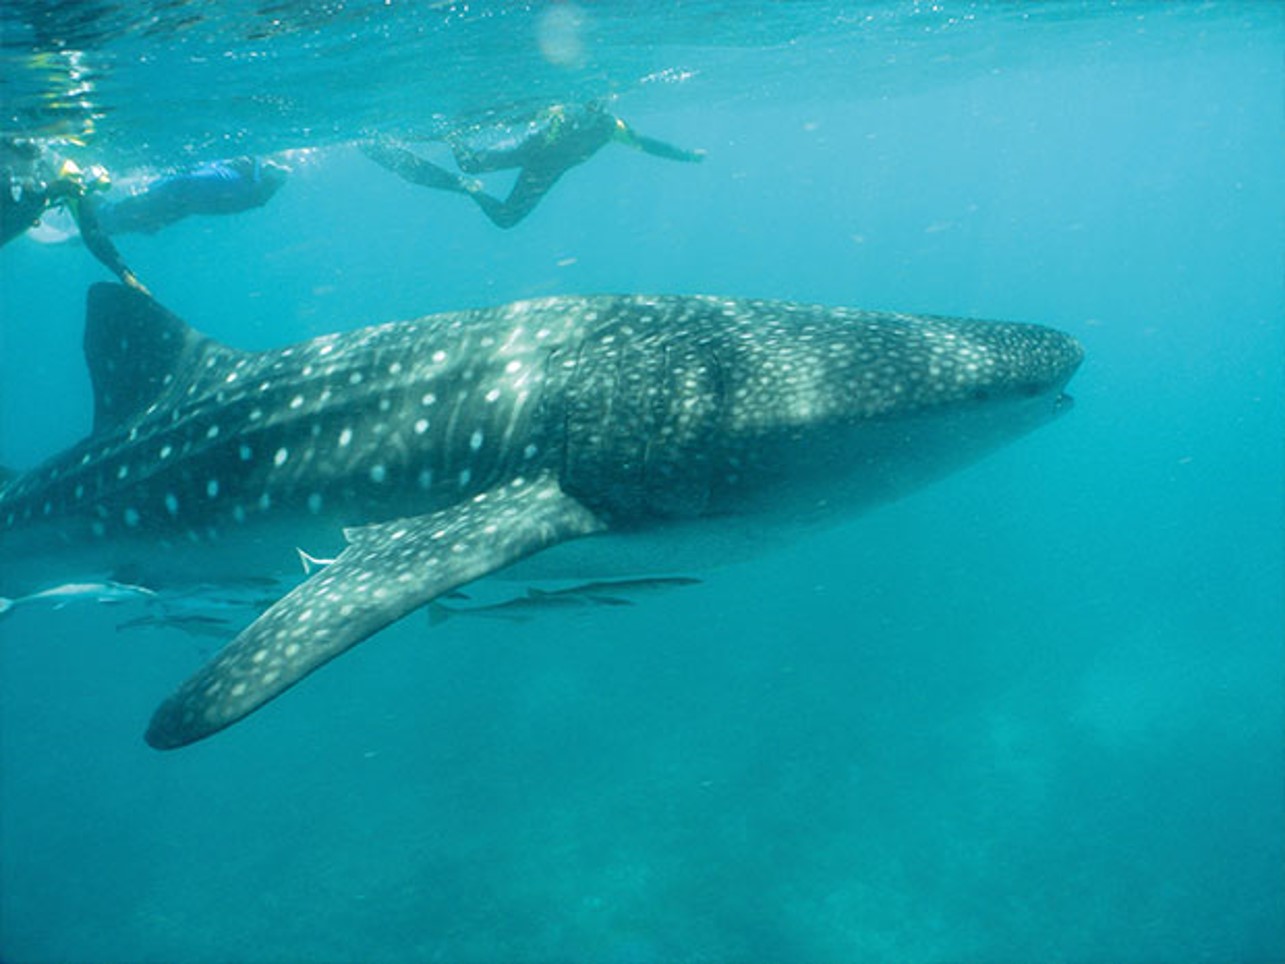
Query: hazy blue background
x=1031 y=713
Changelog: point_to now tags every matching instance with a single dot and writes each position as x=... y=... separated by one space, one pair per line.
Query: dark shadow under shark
x=602 y=435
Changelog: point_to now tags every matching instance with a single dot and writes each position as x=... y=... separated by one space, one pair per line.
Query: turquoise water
x=1034 y=712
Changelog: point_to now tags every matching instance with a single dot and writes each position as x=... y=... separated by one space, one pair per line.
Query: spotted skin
x=386 y=571
x=458 y=444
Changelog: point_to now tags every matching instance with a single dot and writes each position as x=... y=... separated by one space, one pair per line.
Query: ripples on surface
x=163 y=82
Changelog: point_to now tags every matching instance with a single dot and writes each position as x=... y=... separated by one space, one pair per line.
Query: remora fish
x=194 y=624
x=674 y=431
x=587 y=595
x=74 y=592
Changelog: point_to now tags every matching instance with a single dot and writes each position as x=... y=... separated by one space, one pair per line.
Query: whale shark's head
x=1013 y=375
x=886 y=403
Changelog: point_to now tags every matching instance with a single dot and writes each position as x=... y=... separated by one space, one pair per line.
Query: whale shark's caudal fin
x=135 y=350
x=386 y=571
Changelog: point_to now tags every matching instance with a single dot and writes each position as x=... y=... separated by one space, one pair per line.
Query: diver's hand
x=131 y=281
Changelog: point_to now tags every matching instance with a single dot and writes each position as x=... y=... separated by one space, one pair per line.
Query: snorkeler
x=551 y=143
x=215 y=187
x=38 y=181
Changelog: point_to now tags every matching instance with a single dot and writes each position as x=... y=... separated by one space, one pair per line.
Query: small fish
x=204 y=610
x=193 y=624
x=78 y=592
x=208 y=599
x=584 y=596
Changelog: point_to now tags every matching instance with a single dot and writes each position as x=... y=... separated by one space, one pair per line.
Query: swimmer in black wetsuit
x=216 y=187
x=553 y=142
x=38 y=181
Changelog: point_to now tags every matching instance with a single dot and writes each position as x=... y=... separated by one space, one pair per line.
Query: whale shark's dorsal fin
x=134 y=348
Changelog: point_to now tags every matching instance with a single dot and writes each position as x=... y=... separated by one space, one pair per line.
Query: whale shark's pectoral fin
x=386 y=571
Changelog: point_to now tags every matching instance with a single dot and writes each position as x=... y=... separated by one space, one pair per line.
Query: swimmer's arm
x=626 y=135
x=99 y=244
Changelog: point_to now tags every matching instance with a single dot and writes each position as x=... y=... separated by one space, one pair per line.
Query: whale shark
x=569 y=437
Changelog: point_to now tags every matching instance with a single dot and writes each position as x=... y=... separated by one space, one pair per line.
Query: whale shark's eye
x=981 y=394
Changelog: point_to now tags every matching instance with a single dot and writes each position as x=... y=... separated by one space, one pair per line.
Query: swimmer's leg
x=502 y=158
x=414 y=169
x=528 y=190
